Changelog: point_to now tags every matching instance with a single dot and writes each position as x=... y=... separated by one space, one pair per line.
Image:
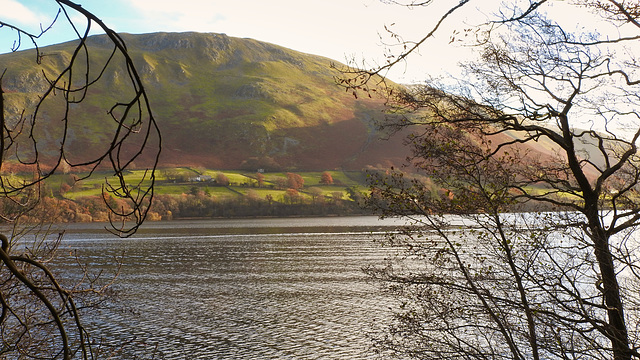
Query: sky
x=338 y=29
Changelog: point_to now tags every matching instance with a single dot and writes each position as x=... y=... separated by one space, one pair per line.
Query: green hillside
x=221 y=102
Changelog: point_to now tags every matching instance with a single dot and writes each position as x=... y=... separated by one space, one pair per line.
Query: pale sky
x=337 y=29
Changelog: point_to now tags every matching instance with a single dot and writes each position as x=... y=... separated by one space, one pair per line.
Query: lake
x=241 y=288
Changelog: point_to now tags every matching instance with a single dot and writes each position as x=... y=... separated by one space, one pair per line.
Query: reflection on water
x=243 y=289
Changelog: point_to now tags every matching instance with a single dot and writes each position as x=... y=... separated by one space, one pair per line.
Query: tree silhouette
x=545 y=121
x=40 y=318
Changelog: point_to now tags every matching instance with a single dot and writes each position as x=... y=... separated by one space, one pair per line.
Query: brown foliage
x=326 y=178
x=222 y=179
x=295 y=181
x=260 y=179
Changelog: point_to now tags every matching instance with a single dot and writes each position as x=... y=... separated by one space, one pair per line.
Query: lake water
x=241 y=289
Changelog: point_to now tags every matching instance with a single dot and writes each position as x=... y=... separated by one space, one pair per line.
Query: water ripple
x=293 y=296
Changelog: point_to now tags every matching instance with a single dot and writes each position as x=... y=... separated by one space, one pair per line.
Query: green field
x=178 y=181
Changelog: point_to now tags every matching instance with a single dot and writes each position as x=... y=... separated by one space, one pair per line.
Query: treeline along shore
x=187 y=193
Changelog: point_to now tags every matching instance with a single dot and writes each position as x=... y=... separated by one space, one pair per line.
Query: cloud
x=195 y=15
x=328 y=27
x=337 y=29
x=13 y=11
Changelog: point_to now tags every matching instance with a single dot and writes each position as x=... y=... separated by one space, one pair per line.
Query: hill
x=221 y=102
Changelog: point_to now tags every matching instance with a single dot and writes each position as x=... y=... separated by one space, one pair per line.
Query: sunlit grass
x=241 y=183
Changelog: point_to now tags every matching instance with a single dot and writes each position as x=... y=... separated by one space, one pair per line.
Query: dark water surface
x=242 y=289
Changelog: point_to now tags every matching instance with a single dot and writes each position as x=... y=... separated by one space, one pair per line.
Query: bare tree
x=40 y=316
x=546 y=121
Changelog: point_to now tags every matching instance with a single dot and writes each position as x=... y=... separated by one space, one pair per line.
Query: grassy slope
x=221 y=102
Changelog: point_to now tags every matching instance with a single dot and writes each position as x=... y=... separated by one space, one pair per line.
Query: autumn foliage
x=295 y=181
x=326 y=178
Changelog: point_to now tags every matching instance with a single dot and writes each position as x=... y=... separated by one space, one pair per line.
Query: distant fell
x=221 y=102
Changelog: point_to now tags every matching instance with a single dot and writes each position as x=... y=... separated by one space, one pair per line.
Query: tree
x=260 y=179
x=253 y=198
x=326 y=178
x=40 y=316
x=291 y=196
x=337 y=196
x=355 y=194
x=545 y=121
x=295 y=181
x=222 y=179
x=173 y=175
x=317 y=195
x=281 y=182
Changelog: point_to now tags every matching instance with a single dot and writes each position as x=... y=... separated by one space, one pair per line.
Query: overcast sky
x=337 y=29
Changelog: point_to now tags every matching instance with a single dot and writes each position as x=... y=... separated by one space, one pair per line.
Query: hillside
x=221 y=102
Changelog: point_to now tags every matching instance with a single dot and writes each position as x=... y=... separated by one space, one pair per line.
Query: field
x=179 y=181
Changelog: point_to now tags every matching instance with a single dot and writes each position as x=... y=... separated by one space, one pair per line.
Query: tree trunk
x=617 y=327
